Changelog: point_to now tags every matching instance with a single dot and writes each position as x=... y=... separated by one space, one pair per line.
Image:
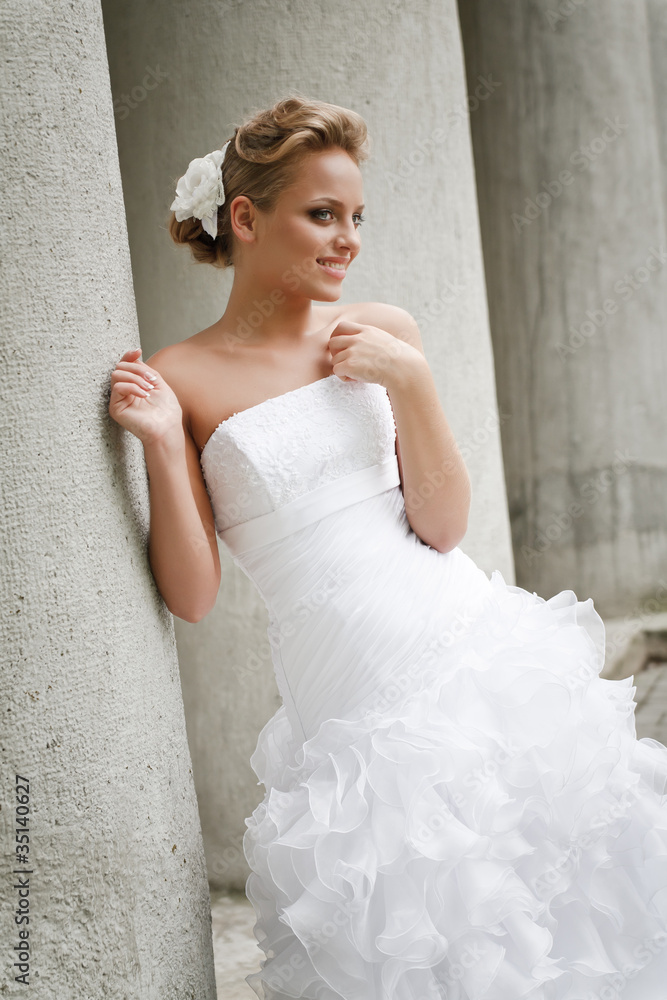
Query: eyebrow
x=334 y=201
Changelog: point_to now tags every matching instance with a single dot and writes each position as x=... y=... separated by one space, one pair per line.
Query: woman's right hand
x=147 y=407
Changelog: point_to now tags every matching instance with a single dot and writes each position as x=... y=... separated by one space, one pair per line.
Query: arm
x=436 y=485
x=182 y=546
x=435 y=482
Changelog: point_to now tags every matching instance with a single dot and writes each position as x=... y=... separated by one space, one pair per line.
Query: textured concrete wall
x=571 y=174
x=215 y=62
x=92 y=714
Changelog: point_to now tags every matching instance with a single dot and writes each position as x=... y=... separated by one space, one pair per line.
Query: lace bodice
x=266 y=456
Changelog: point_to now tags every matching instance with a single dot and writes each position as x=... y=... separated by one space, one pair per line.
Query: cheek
x=307 y=234
x=301 y=240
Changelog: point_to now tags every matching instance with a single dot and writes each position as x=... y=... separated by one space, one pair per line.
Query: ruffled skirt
x=494 y=832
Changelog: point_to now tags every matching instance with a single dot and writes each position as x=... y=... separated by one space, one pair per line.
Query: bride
x=456 y=805
x=290 y=227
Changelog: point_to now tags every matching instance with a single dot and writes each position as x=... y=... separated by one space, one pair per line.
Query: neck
x=260 y=313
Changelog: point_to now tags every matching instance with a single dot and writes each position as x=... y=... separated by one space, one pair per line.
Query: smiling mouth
x=331 y=263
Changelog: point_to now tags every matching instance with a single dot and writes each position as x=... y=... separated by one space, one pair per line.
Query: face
x=306 y=244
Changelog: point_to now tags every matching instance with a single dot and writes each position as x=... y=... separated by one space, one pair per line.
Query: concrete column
x=571 y=185
x=96 y=769
x=422 y=251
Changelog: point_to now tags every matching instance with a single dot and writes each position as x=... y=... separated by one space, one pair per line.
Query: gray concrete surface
x=570 y=167
x=92 y=716
x=237 y=953
x=181 y=75
x=637 y=647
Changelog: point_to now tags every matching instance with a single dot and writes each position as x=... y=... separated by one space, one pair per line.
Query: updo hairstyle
x=262 y=160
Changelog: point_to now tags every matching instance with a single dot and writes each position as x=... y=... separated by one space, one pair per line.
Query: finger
x=133 y=352
x=341 y=342
x=348 y=327
x=138 y=366
x=129 y=389
x=120 y=375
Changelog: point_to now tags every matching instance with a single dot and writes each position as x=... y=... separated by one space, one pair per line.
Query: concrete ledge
x=637 y=647
x=635 y=644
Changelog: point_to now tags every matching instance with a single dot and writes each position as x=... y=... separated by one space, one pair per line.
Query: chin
x=327 y=295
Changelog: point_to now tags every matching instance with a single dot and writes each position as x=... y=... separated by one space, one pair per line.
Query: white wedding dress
x=457 y=805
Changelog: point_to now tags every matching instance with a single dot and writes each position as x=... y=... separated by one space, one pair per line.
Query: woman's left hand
x=364 y=353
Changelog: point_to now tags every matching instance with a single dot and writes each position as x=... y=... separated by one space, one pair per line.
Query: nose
x=349 y=238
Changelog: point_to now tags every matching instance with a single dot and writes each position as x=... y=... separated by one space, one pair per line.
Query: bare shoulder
x=175 y=364
x=172 y=363
x=164 y=357
x=394 y=319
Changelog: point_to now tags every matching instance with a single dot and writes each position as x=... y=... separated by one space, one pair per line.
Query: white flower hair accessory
x=200 y=191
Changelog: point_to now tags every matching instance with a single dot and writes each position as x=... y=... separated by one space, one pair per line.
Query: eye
x=317 y=214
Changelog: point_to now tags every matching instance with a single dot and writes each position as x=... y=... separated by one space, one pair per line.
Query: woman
x=456 y=802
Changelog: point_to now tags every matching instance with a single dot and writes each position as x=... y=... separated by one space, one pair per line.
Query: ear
x=242 y=217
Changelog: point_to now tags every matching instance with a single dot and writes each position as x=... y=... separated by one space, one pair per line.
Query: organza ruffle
x=496 y=833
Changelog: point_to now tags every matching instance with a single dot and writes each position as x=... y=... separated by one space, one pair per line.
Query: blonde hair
x=262 y=160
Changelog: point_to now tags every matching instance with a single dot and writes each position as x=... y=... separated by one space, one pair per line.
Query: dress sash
x=311 y=506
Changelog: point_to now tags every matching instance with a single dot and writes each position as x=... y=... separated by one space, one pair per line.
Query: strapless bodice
x=288 y=461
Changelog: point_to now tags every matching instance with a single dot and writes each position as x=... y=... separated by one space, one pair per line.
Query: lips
x=334 y=267
x=338 y=263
